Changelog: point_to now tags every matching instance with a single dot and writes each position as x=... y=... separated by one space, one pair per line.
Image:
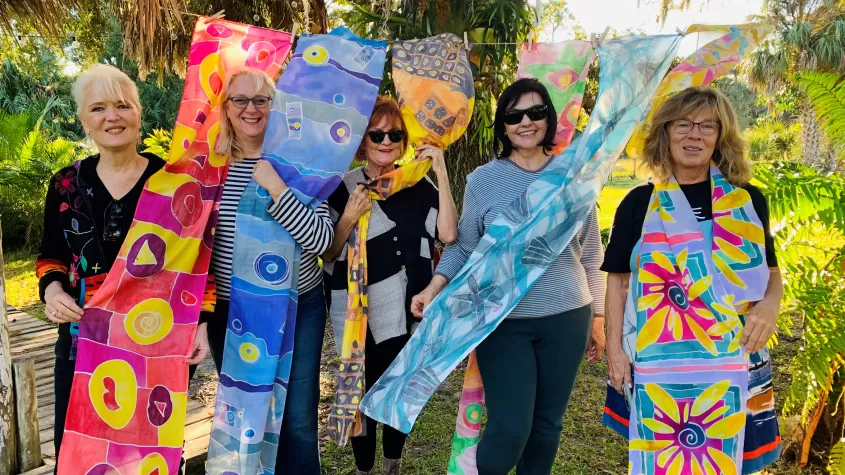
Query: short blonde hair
x=227 y=143
x=110 y=82
x=729 y=155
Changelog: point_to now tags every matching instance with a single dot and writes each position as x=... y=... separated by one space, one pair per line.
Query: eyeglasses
x=242 y=102
x=112 y=230
x=708 y=127
x=514 y=116
x=395 y=135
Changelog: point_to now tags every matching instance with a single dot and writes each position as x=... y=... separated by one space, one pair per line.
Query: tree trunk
x=811 y=136
x=318 y=16
x=7 y=403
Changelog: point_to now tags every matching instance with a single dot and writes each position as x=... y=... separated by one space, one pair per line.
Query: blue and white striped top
x=572 y=281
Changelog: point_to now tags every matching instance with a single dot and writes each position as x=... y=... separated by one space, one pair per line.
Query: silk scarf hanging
x=714 y=59
x=562 y=68
x=436 y=95
x=529 y=235
x=690 y=373
x=320 y=112
x=129 y=395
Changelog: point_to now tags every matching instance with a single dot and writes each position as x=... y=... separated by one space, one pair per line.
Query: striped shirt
x=312 y=229
x=572 y=281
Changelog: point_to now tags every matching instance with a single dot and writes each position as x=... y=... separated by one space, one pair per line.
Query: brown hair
x=227 y=143
x=386 y=107
x=729 y=155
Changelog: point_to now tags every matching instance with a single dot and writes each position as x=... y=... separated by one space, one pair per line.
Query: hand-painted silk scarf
x=521 y=243
x=129 y=396
x=433 y=81
x=562 y=68
x=690 y=373
x=320 y=112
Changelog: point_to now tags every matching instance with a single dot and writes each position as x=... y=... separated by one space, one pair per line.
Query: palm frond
x=826 y=93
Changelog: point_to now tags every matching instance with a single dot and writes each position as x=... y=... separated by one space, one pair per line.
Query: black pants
x=377 y=358
x=528 y=367
x=62 y=380
x=216 y=336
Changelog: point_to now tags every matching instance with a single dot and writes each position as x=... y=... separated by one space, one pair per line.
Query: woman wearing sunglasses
x=88 y=211
x=247 y=99
x=400 y=250
x=529 y=363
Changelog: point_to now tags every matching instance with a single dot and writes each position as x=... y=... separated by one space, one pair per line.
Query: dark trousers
x=299 y=450
x=377 y=357
x=62 y=380
x=528 y=367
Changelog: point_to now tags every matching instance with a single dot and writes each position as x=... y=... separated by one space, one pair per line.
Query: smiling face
x=383 y=154
x=528 y=133
x=112 y=123
x=693 y=150
x=249 y=122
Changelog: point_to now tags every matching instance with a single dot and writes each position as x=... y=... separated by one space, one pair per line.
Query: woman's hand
x=60 y=308
x=760 y=324
x=438 y=162
x=201 y=346
x=358 y=204
x=596 y=348
x=420 y=301
x=618 y=368
x=266 y=177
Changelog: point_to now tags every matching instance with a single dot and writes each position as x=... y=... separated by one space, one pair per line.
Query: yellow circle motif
x=316 y=55
x=249 y=352
x=149 y=321
x=151 y=463
x=113 y=391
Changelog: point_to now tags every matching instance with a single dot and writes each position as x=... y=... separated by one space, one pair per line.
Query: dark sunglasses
x=242 y=102
x=377 y=136
x=514 y=116
x=111 y=230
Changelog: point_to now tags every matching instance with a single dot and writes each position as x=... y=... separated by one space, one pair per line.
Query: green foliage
x=158 y=143
x=773 y=141
x=743 y=99
x=836 y=464
x=826 y=92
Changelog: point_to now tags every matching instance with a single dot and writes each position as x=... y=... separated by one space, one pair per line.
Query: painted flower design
x=689 y=435
x=730 y=235
x=73 y=274
x=65 y=182
x=673 y=304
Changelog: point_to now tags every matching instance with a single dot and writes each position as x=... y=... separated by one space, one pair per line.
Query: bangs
x=109 y=84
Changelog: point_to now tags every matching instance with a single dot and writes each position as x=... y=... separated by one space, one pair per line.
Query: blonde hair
x=227 y=143
x=729 y=155
x=110 y=83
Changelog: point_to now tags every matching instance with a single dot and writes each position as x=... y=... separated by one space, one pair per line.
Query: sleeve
x=209 y=299
x=312 y=229
x=591 y=258
x=761 y=207
x=429 y=204
x=623 y=237
x=470 y=231
x=54 y=255
x=337 y=202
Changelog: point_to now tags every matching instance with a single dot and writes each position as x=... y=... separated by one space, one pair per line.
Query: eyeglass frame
x=250 y=100
x=694 y=124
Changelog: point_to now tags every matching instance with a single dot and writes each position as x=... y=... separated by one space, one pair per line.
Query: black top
x=630 y=216
x=84 y=228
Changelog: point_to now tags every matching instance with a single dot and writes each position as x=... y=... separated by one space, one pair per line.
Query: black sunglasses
x=242 y=102
x=377 y=136
x=514 y=116
x=112 y=230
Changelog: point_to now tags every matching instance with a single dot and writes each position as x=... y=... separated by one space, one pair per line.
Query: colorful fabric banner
x=562 y=68
x=436 y=95
x=714 y=59
x=321 y=108
x=542 y=223
x=690 y=372
x=129 y=396
x=436 y=92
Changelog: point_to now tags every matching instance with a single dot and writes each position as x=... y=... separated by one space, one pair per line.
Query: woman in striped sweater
x=540 y=344
x=247 y=98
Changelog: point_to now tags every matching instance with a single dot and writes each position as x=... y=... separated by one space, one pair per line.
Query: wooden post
x=7 y=401
x=26 y=405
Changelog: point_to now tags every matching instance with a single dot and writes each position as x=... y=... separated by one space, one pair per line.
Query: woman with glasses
x=529 y=363
x=88 y=212
x=696 y=156
x=400 y=250
x=247 y=97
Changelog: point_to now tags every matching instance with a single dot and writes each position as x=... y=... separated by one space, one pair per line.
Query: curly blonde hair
x=729 y=155
x=227 y=142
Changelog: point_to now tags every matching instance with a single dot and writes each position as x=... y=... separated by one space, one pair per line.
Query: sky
x=595 y=15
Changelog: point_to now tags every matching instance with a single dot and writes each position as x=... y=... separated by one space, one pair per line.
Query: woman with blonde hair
x=247 y=98
x=693 y=287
